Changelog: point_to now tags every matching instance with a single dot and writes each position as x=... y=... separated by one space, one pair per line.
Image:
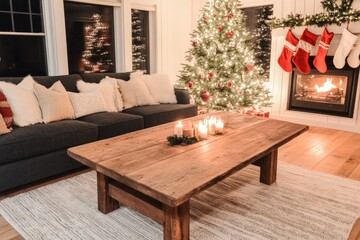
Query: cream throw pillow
x=160 y=88
x=23 y=102
x=106 y=88
x=3 y=128
x=54 y=103
x=87 y=103
x=135 y=92
x=118 y=98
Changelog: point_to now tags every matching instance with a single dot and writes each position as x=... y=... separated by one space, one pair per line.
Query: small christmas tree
x=262 y=45
x=220 y=73
x=96 y=56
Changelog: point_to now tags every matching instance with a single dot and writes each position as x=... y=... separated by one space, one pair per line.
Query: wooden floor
x=325 y=150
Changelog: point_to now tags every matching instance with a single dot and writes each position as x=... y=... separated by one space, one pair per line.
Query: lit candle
x=212 y=125
x=188 y=130
x=196 y=131
x=203 y=132
x=178 y=129
x=219 y=127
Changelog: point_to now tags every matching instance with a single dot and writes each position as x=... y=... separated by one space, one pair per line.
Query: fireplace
x=330 y=93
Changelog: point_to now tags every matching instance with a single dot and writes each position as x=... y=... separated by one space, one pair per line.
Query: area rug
x=302 y=204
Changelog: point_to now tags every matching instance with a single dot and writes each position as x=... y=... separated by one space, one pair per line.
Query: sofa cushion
x=112 y=124
x=96 y=77
x=158 y=114
x=40 y=139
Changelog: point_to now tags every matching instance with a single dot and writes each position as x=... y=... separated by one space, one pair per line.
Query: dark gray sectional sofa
x=36 y=152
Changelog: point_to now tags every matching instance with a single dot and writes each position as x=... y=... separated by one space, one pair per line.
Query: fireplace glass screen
x=329 y=93
x=321 y=88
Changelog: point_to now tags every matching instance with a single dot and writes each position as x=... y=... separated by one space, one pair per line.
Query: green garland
x=333 y=14
x=175 y=140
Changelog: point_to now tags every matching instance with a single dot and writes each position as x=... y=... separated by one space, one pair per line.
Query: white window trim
x=154 y=34
x=114 y=3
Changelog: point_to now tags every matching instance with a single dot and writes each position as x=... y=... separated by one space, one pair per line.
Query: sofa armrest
x=182 y=96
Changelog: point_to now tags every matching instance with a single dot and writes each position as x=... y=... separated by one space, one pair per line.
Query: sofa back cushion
x=97 y=77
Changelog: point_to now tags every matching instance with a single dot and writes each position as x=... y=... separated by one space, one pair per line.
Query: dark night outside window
x=23 y=51
x=256 y=23
x=140 y=40
x=89 y=34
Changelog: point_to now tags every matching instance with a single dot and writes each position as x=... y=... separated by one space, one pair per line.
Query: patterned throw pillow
x=3 y=128
x=5 y=111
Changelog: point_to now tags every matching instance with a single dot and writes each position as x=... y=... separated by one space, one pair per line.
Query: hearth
x=330 y=93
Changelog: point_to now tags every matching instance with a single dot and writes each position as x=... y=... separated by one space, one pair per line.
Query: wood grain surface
x=145 y=162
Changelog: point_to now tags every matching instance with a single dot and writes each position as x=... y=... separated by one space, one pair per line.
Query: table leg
x=106 y=204
x=177 y=222
x=268 y=167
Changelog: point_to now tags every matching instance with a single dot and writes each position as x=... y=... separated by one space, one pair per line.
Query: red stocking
x=319 y=61
x=289 y=48
x=306 y=44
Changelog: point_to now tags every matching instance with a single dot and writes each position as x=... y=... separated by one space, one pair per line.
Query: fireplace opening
x=330 y=93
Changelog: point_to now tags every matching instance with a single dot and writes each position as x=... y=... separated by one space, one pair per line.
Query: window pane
x=22 y=23
x=5 y=5
x=37 y=23
x=20 y=5
x=140 y=40
x=35 y=6
x=22 y=55
x=89 y=33
x=5 y=22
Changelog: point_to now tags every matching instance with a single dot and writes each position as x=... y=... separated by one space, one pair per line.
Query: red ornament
x=218 y=85
x=205 y=96
x=229 y=84
x=220 y=28
x=211 y=74
x=249 y=68
x=195 y=43
x=190 y=84
x=215 y=15
x=229 y=34
x=231 y=15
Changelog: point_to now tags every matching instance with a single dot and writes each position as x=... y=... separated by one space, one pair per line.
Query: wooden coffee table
x=140 y=170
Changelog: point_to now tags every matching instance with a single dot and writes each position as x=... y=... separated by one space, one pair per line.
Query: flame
x=327 y=86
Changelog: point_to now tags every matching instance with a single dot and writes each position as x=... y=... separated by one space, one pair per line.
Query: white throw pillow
x=160 y=87
x=118 y=98
x=106 y=88
x=135 y=92
x=23 y=102
x=87 y=103
x=54 y=105
x=135 y=74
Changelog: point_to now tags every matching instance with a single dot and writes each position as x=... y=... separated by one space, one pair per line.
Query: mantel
x=353 y=27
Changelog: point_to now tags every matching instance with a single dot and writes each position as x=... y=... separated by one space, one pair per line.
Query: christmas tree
x=220 y=72
x=96 y=56
x=262 y=45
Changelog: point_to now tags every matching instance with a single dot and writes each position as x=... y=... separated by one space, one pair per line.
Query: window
x=256 y=23
x=140 y=40
x=89 y=34
x=22 y=38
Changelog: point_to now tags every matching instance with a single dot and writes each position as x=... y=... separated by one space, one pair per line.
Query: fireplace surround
x=329 y=93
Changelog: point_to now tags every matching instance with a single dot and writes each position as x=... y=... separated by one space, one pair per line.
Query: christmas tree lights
x=96 y=56
x=220 y=72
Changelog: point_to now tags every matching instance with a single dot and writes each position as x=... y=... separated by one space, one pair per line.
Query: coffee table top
x=144 y=161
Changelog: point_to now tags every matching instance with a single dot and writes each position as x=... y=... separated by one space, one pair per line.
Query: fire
x=327 y=86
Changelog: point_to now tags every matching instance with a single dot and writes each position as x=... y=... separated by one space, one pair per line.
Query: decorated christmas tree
x=96 y=56
x=220 y=72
